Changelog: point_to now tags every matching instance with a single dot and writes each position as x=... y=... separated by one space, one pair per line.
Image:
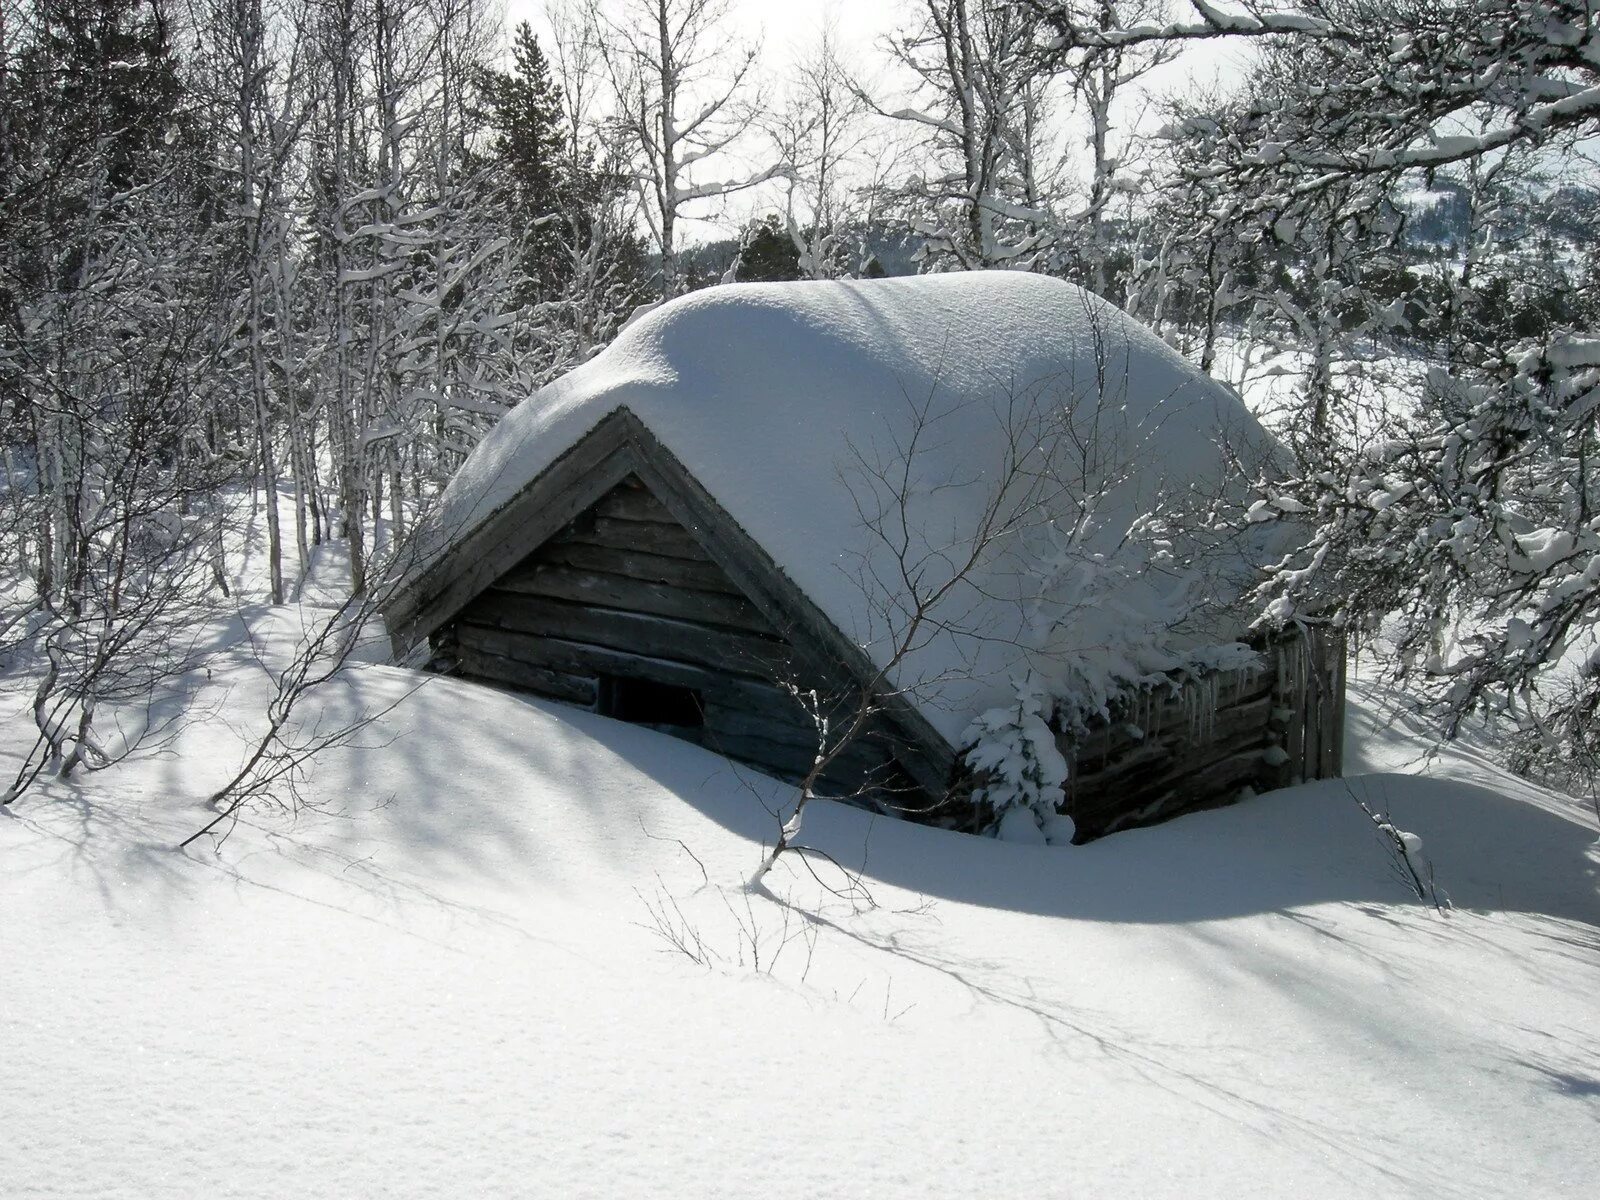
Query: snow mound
x=451 y=974
x=815 y=412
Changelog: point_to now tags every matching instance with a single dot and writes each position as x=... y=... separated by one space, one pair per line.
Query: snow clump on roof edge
x=784 y=401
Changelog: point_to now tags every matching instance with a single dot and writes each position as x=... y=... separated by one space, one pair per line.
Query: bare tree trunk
x=668 y=189
x=254 y=198
x=659 y=59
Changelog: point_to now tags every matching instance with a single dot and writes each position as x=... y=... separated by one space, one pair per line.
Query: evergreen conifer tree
x=540 y=184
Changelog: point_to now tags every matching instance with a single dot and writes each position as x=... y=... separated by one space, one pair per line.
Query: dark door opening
x=644 y=702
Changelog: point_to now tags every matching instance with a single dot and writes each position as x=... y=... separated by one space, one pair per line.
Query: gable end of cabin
x=625 y=611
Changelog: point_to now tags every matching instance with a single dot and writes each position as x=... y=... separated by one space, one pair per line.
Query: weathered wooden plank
x=1119 y=781
x=792 y=729
x=1317 y=698
x=1291 y=695
x=702 y=575
x=929 y=758
x=1182 y=765
x=1307 y=726
x=795 y=761
x=1171 y=716
x=1214 y=785
x=1114 y=749
x=670 y=541
x=741 y=653
x=1104 y=798
x=496 y=668
x=1341 y=682
x=795 y=730
x=1325 y=706
x=659 y=637
x=1150 y=770
x=1331 y=653
x=756 y=724
x=581 y=658
x=567 y=488
x=558 y=582
x=632 y=501
x=1135 y=782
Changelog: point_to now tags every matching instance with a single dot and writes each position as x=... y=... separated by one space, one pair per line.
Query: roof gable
x=489 y=554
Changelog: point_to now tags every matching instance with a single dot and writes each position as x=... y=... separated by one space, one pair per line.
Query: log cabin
x=769 y=513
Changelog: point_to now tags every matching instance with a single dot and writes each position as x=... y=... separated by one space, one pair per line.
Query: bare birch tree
x=821 y=130
x=679 y=85
x=983 y=197
x=1103 y=81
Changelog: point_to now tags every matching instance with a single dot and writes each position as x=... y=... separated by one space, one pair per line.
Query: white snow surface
x=443 y=978
x=783 y=400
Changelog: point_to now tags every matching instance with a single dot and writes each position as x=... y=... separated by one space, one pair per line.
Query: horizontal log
x=632 y=501
x=1136 y=783
x=564 y=492
x=581 y=586
x=1148 y=767
x=796 y=732
x=844 y=775
x=791 y=729
x=1215 y=786
x=1102 y=749
x=782 y=741
x=492 y=668
x=701 y=575
x=1108 y=749
x=1127 y=783
x=584 y=658
x=671 y=541
x=658 y=637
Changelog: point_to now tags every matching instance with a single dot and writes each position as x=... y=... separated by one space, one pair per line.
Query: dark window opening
x=644 y=702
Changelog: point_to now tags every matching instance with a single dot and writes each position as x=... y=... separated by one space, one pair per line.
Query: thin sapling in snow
x=1063 y=562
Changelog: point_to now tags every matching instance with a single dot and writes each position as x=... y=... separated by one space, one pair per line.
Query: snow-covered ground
x=449 y=978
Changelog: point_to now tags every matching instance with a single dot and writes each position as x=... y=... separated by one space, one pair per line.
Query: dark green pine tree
x=93 y=107
x=539 y=183
x=767 y=253
x=97 y=76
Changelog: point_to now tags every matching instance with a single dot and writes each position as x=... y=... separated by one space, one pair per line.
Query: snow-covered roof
x=798 y=406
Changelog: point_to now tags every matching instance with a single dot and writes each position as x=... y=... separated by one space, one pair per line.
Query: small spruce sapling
x=1013 y=751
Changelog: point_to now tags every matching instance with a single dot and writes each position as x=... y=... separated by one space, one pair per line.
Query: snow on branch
x=1076 y=31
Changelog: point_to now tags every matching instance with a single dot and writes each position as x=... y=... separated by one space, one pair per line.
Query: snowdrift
x=443 y=978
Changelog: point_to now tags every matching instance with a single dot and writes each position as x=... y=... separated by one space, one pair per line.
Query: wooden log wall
x=1202 y=742
x=625 y=592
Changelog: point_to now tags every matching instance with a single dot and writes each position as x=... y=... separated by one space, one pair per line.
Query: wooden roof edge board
x=470 y=563
x=771 y=590
x=617 y=446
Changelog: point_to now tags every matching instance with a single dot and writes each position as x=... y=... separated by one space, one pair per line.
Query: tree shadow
x=439 y=767
x=1277 y=852
x=1281 y=852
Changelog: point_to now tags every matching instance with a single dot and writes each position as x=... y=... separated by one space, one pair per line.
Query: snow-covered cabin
x=964 y=496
